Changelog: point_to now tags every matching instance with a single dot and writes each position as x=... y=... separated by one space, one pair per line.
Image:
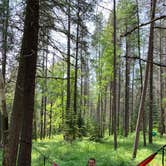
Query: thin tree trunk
x=119 y=91
x=4 y=37
x=143 y=96
x=114 y=83
x=76 y=70
x=63 y=109
x=161 y=123
x=151 y=101
x=4 y=114
x=35 y=126
x=4 y=118
x=41 y=118
x=45 y=95
x=50 y=128
x=151 y=93
x=104 y=111
x=126 y=115
x=45 y=115
x=68 y=115
x=140 y=66
x=132 y=99
x=110 y=112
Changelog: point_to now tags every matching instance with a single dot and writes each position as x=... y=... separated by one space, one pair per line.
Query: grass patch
x=77 y=153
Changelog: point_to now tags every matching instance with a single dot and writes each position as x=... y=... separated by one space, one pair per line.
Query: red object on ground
x=147 y=160
x=54 y=164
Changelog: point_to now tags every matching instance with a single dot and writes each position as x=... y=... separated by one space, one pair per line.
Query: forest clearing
x=78 y=153
x=83 y=82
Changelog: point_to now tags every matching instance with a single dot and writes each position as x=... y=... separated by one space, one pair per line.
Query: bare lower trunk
x=4 y=118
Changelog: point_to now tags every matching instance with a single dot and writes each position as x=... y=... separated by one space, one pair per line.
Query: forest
x=82 y=81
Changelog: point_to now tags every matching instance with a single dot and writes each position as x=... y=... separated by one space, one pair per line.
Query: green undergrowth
x=78 y=152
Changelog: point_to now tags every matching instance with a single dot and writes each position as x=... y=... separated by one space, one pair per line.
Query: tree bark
x=76 y=69
x=50 y=127
x=143 y=95
x=68 y=111
x=45 y=91
x=140 y=67
x=4 y=37
x=24 y=93
x=132 y=99
x=4 y=119
x=151 y=94
x=3 y=113
x=31 y=39
x=115 y=80
x=126 y=115
x=161 y=123
x=41 y=116
x=119 y=91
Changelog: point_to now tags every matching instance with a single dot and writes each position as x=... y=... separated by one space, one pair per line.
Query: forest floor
x=77 y=153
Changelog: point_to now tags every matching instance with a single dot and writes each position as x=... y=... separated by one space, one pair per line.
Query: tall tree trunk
x=45 y=89
x=151 y=95
x=126 y=113
x=4 y=37
x=25 y=87
x=143 y=96
x=76 y=69
x=41 y=116
x=110 y=112
x=43 y=96
x=4 y=114
x=114 y=83
x=45 y=116
x=68 y=111
x=98 y=115
x=104 y=111
x=151 y=101
x=132 y=99
x=4 y=118
x=31 y=30
x=34 y=126
x=62 y=95
x=50 y=127
x=161 y=123
x=119 y=91
x=140 y=67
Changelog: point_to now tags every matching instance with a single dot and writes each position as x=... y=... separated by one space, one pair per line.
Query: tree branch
x=141 y=25
x=157 y=27
x=49 y=77
x=137 y=58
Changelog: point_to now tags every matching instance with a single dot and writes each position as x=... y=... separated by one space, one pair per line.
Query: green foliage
x=126 y=11
x=78 y=153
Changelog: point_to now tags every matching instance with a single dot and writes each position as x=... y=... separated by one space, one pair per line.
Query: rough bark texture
x=31 y=40
x=24 y=92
